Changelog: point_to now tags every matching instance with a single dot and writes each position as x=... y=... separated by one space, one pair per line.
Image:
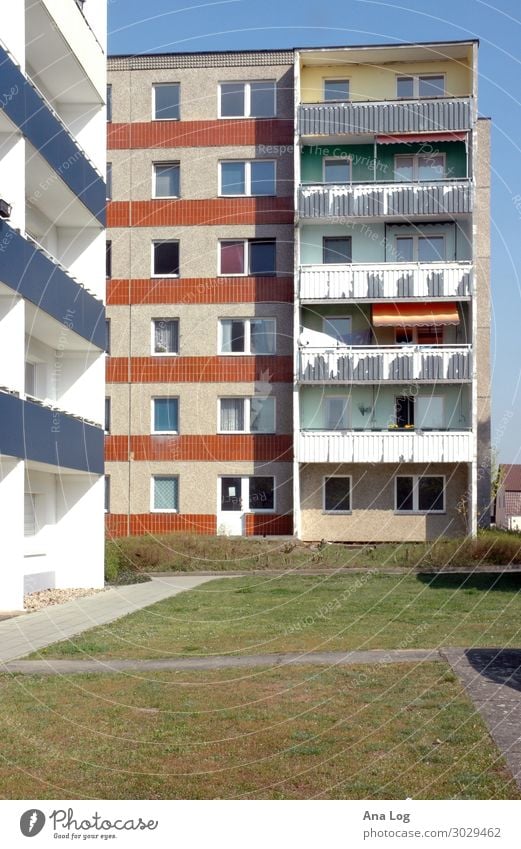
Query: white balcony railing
x=394 y=363
x=379 y=281
x=377 y=200
x=385 y=447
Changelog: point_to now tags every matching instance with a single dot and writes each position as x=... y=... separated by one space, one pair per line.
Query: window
x=336 y=249
x=253 y=177
x=337 y=495
x=247 y=336
x=107 y=493
x=30 y=524
x=420 y=248
x=430 y=412
x=247 y=415
x=419 y=494
x=247 y=100
x=107 y=415
x=107 y=335
x=165 y=415
x=404 y=410
x=108 y=182
x=337 y=413
x=254 y=257
x=109 y=103
x=166 y=101
x=337 y=171
x=165 y=336
x=338 y=327
x=430 y=85
x=30 y=378
x=165 y=493
x=336 y=90
x=262 y=494
x=427 y=335
x=108 y=259
x=165 y=259
x=166 y=180
x=419 y=167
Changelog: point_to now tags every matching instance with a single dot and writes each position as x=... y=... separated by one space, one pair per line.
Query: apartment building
x=200 y=290
x=298 y=293
x=52 y=286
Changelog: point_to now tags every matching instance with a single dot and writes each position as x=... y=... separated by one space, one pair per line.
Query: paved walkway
x=52 y=666
x=24 y=634
x=492 y=679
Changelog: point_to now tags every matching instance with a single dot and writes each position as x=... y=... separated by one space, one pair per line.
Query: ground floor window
x=337 y=495
x=420 y=494
x=165 y=493
x=247 y=494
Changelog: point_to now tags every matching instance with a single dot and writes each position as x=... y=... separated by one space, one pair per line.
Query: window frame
x=153 y=337
x=247 y=100
x=108 y=103
x=416 y=238
x=247 y=179
x=349 y=239
x=164 y=84
x=347 y=407
x=107 y=424
x=346 y=159
x=415 y=489
x=326 y=319
x=166 y=163
x=429 y=398
x=246 y=399
x=416 y=86
x=336 y=80
x=108 y=181
x=106 y=494
x=416 y=169
x=247 y=256
x=153 y=430
x=247 y=336
x=152 y=494
x=108 y=259
x=153 y=244
x=327 y=512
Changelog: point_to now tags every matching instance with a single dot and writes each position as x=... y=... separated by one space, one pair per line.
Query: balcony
x=385 y=447
x=384 y=200
x=400 y=116
x=382 y=281
x=393 y=363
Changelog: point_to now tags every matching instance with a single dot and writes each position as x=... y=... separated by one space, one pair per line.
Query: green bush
x=117 y=568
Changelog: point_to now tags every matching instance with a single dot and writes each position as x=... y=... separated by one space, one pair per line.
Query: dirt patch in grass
x=264 y=734
x=364 y=611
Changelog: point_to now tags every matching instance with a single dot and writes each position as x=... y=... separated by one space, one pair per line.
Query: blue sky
x=163 y=25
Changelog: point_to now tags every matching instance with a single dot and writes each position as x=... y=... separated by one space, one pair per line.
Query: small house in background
x=508 y=498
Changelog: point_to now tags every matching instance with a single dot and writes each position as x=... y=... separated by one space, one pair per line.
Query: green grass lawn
x=362 y=611
x=299 y=733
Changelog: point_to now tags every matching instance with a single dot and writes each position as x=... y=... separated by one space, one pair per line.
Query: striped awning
x=415 y=315
x=419 y=138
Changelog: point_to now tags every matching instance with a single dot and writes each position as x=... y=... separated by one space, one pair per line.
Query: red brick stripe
x=199 y=369
x=117 y=525
x=189 y=213
x=199 y=447
x=200 y=134
x=201 y=290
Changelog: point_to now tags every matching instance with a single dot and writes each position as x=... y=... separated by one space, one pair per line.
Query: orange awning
x=415 y=315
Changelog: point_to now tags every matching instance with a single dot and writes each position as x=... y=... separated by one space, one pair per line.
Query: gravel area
x=46 y=598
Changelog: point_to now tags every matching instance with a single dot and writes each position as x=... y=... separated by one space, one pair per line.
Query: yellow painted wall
x=378 y=82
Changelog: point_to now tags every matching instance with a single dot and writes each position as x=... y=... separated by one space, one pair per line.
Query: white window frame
x=168 y=162
x=416 y=165
x=152 y=413
x=337 y=512
x=335 y=80
x=108 y=182
x=346 y=159
x=429 y=398
x=416 y=245
x=153 y=337
x=247 y=178
x=416 y=85
x=168 y=509
x=247 y=399
x=154 y=87
x=327 y=318
x=347 y=408
x=152 y=258
x=247 y=100
x=106 y=481
x=247 y=336
x=415 y=511
x=246 y=242
x=108 y=429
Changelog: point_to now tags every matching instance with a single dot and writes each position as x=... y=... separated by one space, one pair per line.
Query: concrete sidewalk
x=22 y=635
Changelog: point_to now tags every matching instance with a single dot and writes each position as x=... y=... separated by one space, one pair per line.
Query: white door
x=231 y=507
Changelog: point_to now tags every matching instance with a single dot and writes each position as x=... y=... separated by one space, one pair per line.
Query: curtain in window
x=262 y=336
x=165 y=414
x=165 y=493
x=167 y=180
x=232 y=258
x=166 y=337
x=262 y=415
x=232 y=414
x=232 y=336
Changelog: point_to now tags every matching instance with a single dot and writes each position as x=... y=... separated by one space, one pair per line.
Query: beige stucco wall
x=372 y=518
